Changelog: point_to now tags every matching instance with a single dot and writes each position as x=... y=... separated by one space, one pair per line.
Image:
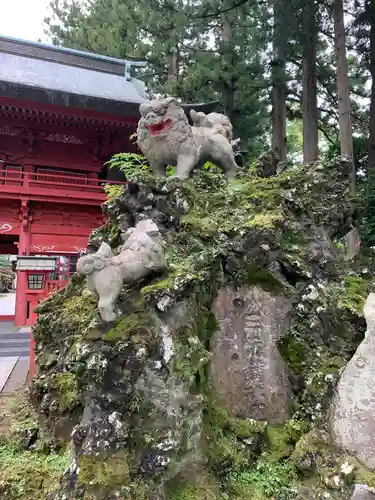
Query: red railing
x=39 y=185
x=54 y=285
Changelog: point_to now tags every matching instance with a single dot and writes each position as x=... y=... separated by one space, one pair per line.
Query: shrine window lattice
x=12 y=174
x=35 y=281
x=65 y=176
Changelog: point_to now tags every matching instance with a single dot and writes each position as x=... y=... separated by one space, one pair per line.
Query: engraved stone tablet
x=248 y=372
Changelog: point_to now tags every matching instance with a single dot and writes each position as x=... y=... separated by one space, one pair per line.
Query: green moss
x=110 y=232
x=239 y=427
x=163 y=284
x=80 y=310
x=26 y=474
x=63 y=386
x=47 y=359
x=29 y=475
x=200 y=486
x=364 y=476
x=265 y=220
x=206 y=226
x=103 y=475
x=278 y=441
x=354 y=291
x=294 y=351
x=21 y=415
x=282 y=438
x=66 y=386
x=131 y=325
x=114 y=235
x=227 y=208
x=327 y=462
x=292 y=240
x=225 y=436
x=255 y=274
x=245 y=429
x=191 y=355
x=190 y=358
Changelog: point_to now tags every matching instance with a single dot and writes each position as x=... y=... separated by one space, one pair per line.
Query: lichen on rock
x=182 y=398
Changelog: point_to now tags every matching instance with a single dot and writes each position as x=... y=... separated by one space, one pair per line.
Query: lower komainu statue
x=141 y=254
x=166 y=138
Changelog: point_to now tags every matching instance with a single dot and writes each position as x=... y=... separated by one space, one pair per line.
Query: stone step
x=18 y=377
x=9 y=352
x=10 y=336
x=6 y=368
x=17 y=343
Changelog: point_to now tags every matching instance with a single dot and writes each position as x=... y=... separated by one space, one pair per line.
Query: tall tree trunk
x=345 y=122
x=371 y=150
x=229 y=82
x=309 y=99
x=172 y=64
x=278 y=84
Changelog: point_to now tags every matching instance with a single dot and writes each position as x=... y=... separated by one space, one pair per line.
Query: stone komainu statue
x=141 y=253
x=218 y=123
x=166 y=138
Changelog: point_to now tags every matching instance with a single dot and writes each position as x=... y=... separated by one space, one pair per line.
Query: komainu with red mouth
x=166 y=138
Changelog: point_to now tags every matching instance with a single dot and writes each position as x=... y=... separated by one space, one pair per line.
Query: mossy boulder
x=31 y=463
x=137 y=397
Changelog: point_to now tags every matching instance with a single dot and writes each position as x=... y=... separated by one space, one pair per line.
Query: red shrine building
x=63 y=114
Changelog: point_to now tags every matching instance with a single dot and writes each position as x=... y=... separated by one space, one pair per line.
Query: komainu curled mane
x=166 y=138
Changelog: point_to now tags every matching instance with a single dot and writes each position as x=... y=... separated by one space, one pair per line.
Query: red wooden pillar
x=29 y=169
x=23 y=249
x=92 y=177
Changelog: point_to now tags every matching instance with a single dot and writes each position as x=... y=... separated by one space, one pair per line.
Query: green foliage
x=350 y=294
x=294 y=350
x=113 y=191
x=295 y=139
x=135 y=167
x=268 y=477
x=197 y=485
x=356 y=291
x=26 y=474
x=225 y=435
x=130 y=164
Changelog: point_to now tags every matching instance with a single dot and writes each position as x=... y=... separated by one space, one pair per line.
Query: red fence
x=41 y=184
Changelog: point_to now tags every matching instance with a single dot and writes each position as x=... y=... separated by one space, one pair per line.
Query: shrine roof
x=69 y=78
x=65 y=77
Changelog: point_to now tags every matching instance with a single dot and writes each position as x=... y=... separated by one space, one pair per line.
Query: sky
x=23 y=18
